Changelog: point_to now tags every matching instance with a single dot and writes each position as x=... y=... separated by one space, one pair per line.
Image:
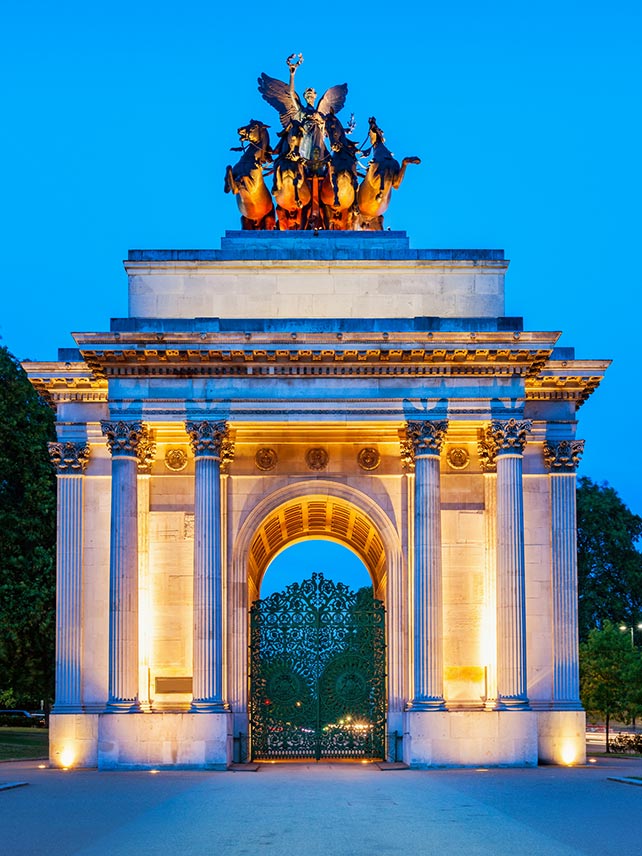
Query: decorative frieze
x=563 y=456
x=122 y=437
x=509 y=436
x=368 y=459
x=69 y=458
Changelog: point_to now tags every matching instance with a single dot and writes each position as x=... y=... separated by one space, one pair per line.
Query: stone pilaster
x=145 y=454
x=123 y=440
x=427 y=440
x=509 y=438
x=562 y=459
x=212 y=447
x=487 y=454
x=70 y=461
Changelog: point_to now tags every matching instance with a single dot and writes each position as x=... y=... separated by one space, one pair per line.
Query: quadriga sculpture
x=383 y=174
x=245 y=178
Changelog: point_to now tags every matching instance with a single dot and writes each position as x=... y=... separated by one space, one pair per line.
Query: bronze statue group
x=315 y=184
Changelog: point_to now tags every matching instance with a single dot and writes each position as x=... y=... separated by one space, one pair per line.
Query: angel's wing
x=333 y=100
x=278 y=95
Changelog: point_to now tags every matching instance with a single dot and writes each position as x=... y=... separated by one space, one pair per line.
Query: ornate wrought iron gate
x=317 y=673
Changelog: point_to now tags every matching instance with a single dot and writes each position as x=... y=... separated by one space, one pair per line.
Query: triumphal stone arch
x=315 y=377
x=295 y=385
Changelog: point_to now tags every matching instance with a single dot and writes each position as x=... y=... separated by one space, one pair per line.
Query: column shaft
x=69 y=594
x=511 y=599
x=429 y=668
x=123 y=586
x=211 y=445
x=208 y=664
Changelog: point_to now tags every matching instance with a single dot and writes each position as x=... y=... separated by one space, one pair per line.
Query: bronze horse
x=383 y=174
x=245 y=178
x=290 y=189
x=339 y=188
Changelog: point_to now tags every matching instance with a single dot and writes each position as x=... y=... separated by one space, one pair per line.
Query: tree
x=27 y=538
x=607 y=662
x=609 y=565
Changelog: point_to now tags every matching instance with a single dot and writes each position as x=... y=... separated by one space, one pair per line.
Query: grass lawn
x=18 y=743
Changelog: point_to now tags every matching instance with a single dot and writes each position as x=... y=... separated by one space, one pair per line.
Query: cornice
x=217 y=266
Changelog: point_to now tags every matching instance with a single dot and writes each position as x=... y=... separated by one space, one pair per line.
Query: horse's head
x=256 y=133
x=374 y=132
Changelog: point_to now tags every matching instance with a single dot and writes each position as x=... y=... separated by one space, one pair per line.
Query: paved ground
x=330 y=809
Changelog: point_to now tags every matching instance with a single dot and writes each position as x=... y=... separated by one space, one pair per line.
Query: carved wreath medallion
x=368 y=459
x=266 y=459
x=458 y=458
x=176 y=460
x=317 y=459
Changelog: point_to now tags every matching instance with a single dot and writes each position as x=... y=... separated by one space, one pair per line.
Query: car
x=21 y=718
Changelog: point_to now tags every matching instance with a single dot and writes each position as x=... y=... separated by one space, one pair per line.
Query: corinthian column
x=427 y=439
x=562 y=459
x=509 y=439
x=70 y=460
x=211 y=447
x=123 y=439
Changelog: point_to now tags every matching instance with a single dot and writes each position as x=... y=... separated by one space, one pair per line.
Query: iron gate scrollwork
x=317 y=673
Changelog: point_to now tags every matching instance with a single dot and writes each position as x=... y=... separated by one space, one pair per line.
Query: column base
x=426 y=704
x=209 y=707
x=512 y=703
x=122 y=706
x=67 y=708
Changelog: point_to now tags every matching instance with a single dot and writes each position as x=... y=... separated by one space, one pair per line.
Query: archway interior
x=299 y=560
x=317 y=516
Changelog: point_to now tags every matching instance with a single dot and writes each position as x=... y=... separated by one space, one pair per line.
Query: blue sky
x=118 y=119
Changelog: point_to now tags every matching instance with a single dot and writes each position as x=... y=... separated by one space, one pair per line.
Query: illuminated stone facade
x=324 y=385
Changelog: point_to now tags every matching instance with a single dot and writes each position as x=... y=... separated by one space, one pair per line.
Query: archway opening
x=299 y=560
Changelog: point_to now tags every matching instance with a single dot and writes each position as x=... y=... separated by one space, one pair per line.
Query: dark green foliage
x=627 y=743
x=609 y=564
x=27 y=538
x=607 y=663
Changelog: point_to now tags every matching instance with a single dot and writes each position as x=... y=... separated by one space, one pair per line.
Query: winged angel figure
x=283 y=97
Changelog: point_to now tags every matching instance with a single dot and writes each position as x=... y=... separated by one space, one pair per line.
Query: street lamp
x=625 y=627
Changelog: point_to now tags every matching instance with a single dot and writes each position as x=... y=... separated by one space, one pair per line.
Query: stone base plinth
x=561 y=736
x=73 y=740
x=470 y=738
x=160 y=741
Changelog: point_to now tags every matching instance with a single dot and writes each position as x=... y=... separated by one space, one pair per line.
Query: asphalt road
x=330 y=809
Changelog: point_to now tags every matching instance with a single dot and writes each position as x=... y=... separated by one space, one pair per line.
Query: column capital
x=145 y=451
x=69 y=459
x=509 y=436
x=123 y=437
x=210 y=439
x=426 y=437
x=563 y=457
